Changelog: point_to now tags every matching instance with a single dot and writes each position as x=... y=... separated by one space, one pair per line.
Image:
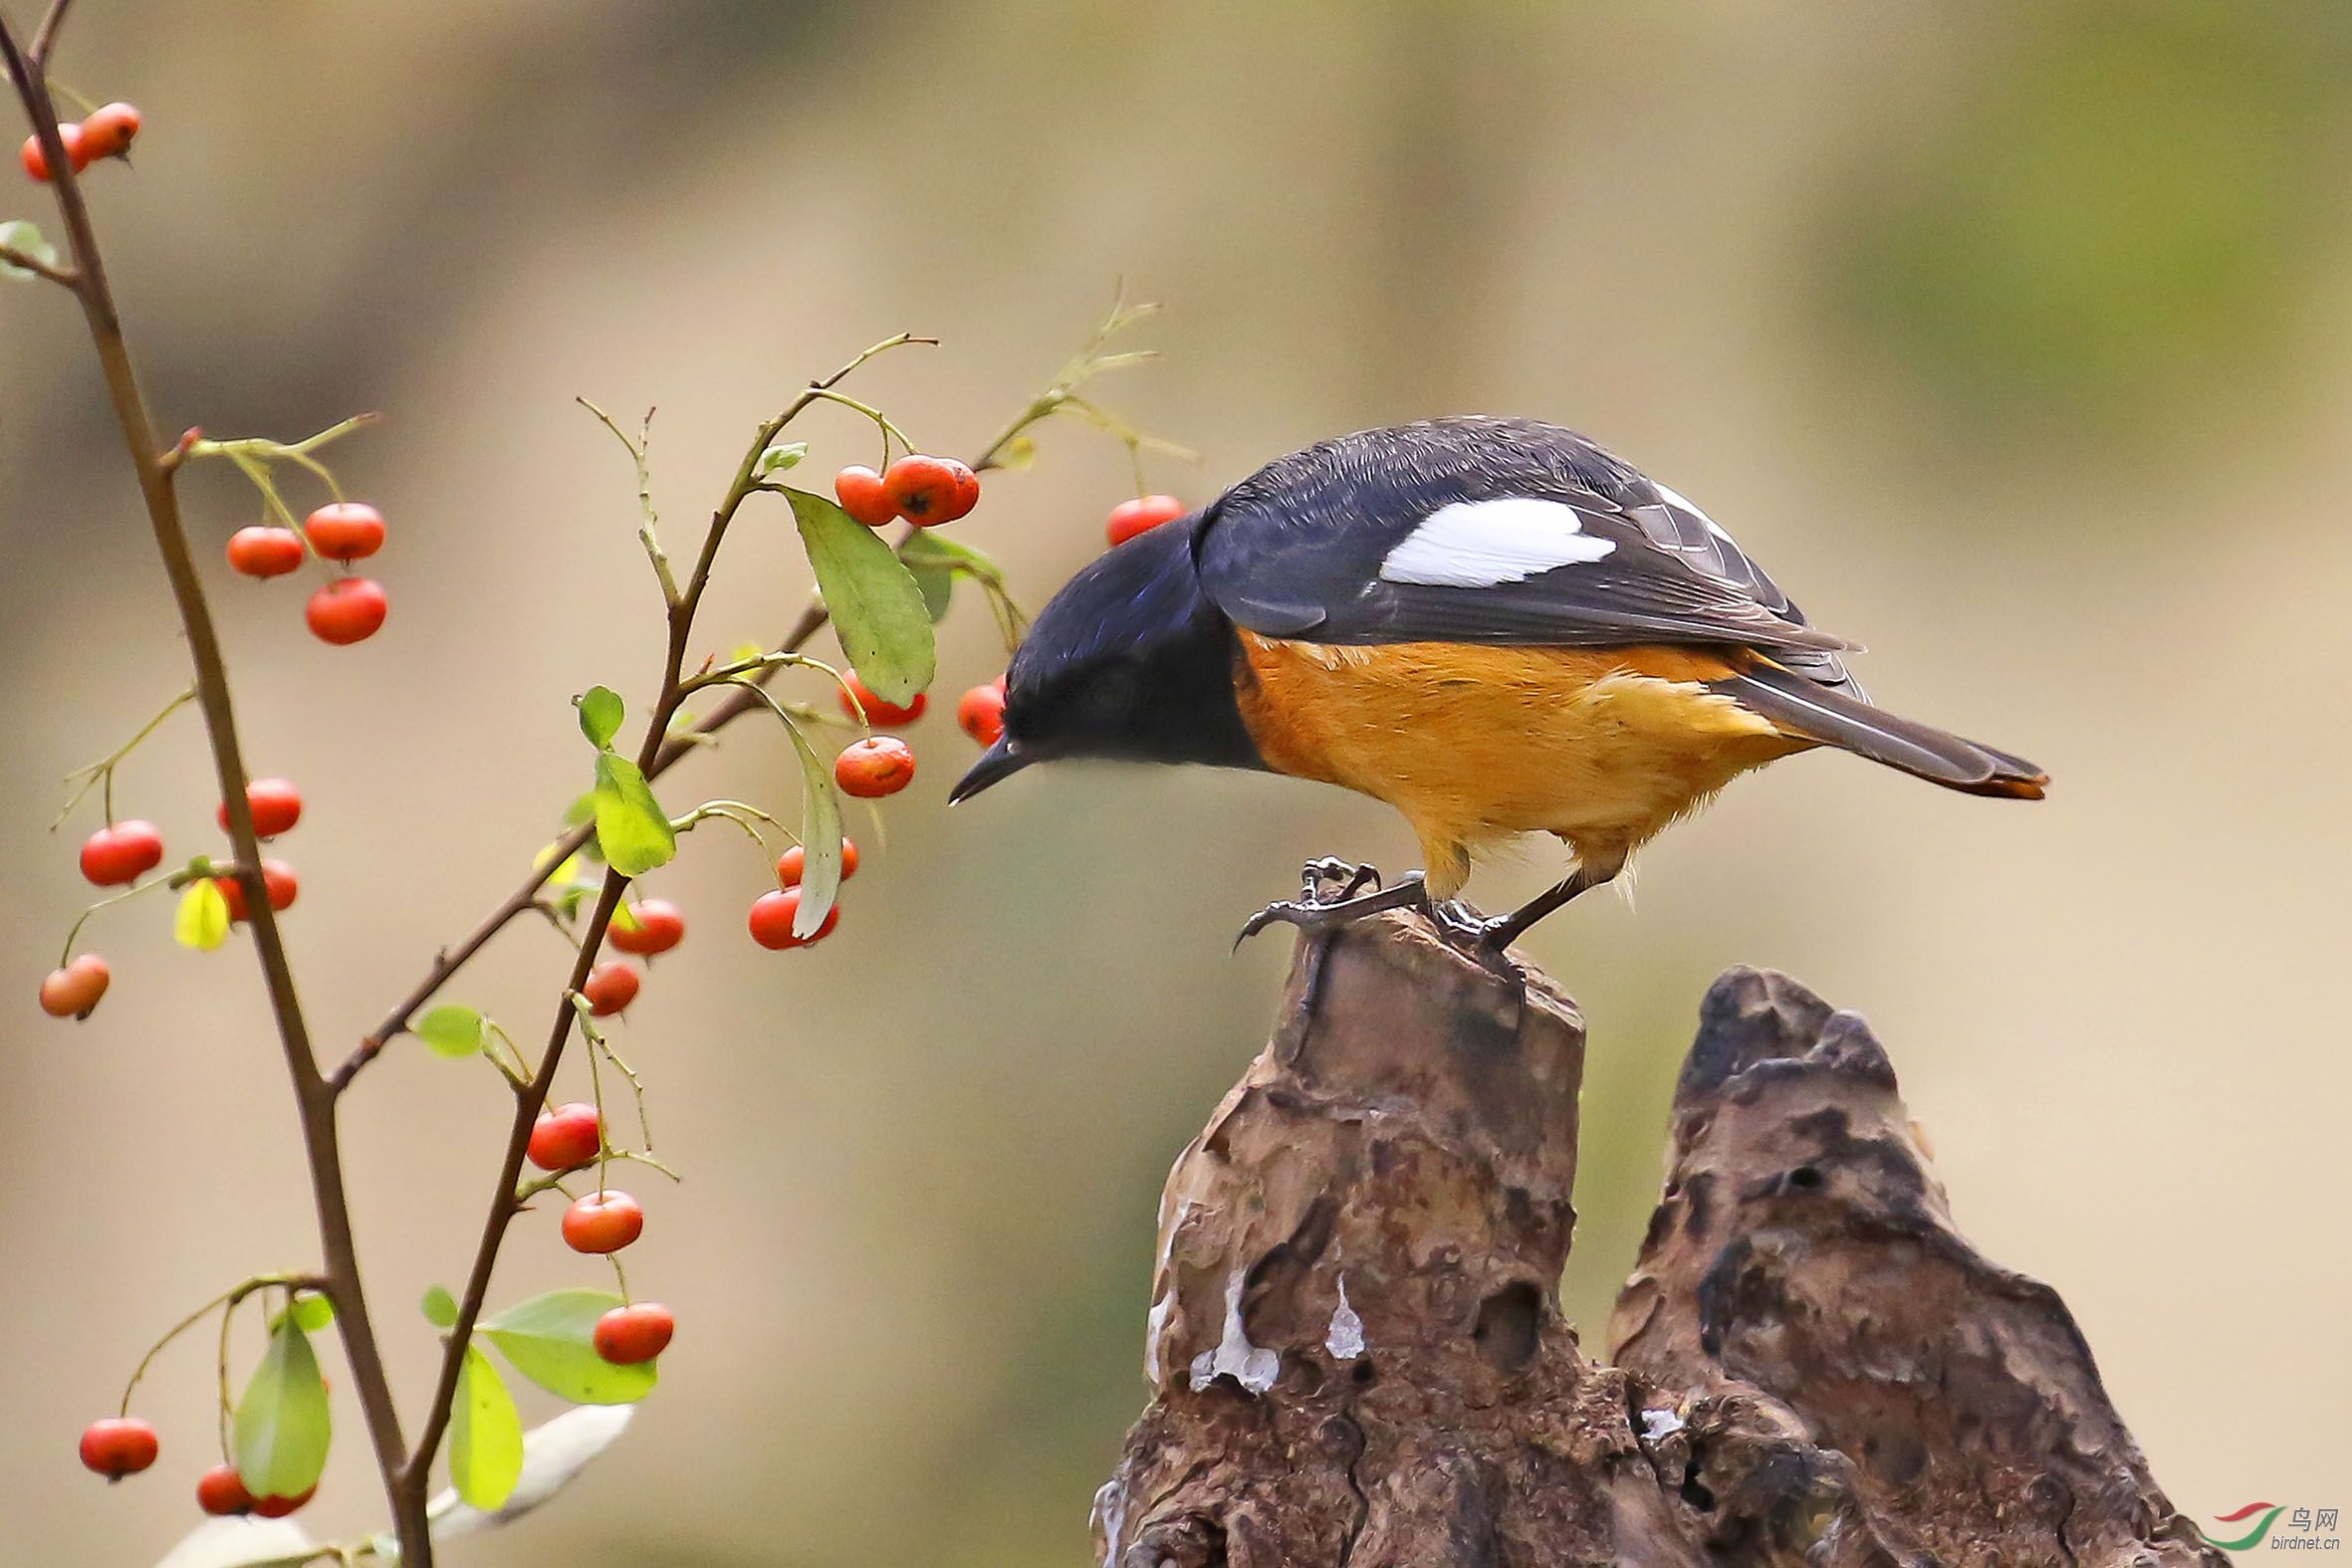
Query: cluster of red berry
x=567 y=1138
x=123 y=1446
x=106 y=134
x=349 y=608
x=121 y=852
x=925 y=491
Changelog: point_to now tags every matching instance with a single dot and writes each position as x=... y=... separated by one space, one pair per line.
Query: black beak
x=1000 y=762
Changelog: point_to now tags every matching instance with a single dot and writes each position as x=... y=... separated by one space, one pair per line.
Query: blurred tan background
x=2012 y=337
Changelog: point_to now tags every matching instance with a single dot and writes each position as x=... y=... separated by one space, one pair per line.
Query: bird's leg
x=1331 y=893
x=1487 y=940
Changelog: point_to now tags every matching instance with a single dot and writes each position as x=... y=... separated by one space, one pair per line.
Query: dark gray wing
x=1487 y=530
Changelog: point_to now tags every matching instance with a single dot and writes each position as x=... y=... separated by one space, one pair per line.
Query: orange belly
x=1603 y=747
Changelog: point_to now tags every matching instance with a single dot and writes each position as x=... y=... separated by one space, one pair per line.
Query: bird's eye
x=1113 y=694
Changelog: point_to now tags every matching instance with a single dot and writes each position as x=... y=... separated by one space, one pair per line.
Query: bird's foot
x=1477 y=937
x=1333 y=892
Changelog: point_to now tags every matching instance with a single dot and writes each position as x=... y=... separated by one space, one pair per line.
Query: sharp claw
x=1317 y=913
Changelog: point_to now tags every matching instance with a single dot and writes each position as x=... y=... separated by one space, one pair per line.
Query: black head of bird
x=1128 y=662
x=1491 y=624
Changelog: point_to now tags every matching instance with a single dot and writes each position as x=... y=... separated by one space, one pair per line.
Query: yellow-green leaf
x=550 y=1339
x=600 y=713
x=485 y=1436
x=284 y=1425
x=635 y=835
x=451 y=1031
x=202 y=922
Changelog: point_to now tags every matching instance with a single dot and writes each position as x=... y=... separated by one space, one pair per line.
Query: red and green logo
x=2268 y=1515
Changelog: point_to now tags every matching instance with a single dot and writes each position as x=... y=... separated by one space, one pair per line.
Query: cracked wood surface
x=1357 y=1355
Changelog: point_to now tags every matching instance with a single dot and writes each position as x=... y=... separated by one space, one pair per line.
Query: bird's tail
x=1819 y=712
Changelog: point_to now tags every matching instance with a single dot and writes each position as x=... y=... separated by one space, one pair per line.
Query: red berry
x=276 y=875
x=862 y=496
x=124 y=853
x=627 y=1335
x=610 y=987
x=222 y=1490
x=279 y=1507
x=878 y=711
x=108 y=132
x=275 y=803
x=37 y=161
x=982 y=713
x=772 y=920
x=265 y=551
x=72 y=992
x=603 y=1221
x=877 y=766
x=566 y=1137
x=346 y=611
x=1141 y=516
x=119 y=1446
x=659 y=927
x=794 y=861
x=346 y=531
x=928 y=491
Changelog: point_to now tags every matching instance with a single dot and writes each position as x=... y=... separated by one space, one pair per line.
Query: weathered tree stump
x=1357 y=1354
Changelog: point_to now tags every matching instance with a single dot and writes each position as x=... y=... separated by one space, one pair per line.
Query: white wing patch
x=1479 y=544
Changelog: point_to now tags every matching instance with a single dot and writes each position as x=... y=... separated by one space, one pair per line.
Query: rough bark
x=1357 y=1354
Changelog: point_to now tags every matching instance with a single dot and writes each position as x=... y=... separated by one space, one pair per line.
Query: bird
x=1491 y=624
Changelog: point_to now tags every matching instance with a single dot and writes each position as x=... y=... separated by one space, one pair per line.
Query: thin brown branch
x=45 y=37
x=155 y=479
x=416 y=1473
x=62 y=277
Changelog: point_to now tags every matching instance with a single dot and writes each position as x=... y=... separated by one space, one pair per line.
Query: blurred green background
x=2012 y=336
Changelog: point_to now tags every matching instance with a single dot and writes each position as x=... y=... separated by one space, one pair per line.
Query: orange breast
x=1602 y=745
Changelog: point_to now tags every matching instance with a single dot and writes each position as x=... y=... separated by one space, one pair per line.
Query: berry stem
x=890 y=430
x=224 y=1303
x=73 y=933
x=102 y=773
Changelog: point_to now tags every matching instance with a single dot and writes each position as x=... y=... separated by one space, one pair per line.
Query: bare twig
x=45 y=36
x=65 y=277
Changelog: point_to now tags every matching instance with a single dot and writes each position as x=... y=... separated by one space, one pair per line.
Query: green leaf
x=937 y=585
x=439 y=1307
x=283 y=1424
x=877 y=609
x=550 y=1340
x=782 y=456
x=637 y=837
x=929 y=548
x=451 y=1031
x=600 y=713
x=580 y=810
x=202 y=921
x=937 y=561
x=485 y=1436
x=820 y=836
x=25 y=239
x=311 y=1312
